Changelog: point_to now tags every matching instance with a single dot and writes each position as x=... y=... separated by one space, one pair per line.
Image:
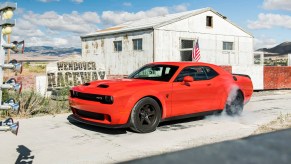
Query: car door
x=192 y=97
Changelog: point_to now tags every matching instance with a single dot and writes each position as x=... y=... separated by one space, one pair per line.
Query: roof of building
x=154 y=22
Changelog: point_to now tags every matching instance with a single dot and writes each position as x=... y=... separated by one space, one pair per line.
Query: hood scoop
x=86 y=84
x=103 y=86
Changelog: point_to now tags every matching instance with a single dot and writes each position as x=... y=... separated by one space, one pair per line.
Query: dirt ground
x=283 y=121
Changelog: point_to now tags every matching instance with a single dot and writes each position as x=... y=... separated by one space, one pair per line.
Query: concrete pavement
x=53 y=139
x=267 y=148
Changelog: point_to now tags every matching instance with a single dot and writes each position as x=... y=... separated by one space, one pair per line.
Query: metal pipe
x=4 y=128
x=5 y=107
x=6 y=86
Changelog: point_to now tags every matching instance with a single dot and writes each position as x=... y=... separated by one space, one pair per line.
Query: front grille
x=86 y=96
x=91 y=115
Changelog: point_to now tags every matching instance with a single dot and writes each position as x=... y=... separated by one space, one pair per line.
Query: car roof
x=185 y=64
x=182 y=65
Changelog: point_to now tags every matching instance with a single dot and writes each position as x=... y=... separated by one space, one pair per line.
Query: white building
x=126 y=47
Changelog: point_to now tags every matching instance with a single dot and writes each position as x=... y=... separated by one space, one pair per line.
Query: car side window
x=185 y=72
x=200 y=74
x=210 y=72
x=197 y=72
x=151 y=72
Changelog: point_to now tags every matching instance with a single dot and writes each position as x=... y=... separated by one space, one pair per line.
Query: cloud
x=181 y=7
x=91 y=17
x=40 y=41
x=78 y=1
x=46 y=1
x=73 y=22
x=277 y=4
x=53 y=29
x=264 y=42
x=56 y=41
x=110 y=18
x=128 y=4
x=64 y=30
x=268 y=21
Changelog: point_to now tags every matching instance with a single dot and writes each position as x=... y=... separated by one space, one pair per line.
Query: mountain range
x=281 y=49
x=51 y=51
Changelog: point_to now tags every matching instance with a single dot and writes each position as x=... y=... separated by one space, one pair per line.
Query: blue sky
x=62 y=22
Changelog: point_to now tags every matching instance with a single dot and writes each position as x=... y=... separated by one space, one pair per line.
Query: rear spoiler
x=242 y=75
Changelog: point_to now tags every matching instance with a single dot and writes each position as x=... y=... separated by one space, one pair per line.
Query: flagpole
x=193 y=49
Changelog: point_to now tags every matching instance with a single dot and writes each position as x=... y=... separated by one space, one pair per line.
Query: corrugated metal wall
x=125 y=61
x=164 y=44
x=168 y=38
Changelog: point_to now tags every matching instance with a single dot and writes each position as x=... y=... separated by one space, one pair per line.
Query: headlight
x=108 y=99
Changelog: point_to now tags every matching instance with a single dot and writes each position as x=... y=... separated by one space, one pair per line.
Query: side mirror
x=188 y=79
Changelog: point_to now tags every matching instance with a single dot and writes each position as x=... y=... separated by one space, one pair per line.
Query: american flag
x=196 y=52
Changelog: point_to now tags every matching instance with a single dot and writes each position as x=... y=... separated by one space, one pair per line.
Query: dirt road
x=53 y=139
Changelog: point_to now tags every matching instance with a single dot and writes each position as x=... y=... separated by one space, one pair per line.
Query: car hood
x=112 y=86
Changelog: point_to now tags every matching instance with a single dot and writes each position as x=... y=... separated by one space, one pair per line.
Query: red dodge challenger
x=159 y=92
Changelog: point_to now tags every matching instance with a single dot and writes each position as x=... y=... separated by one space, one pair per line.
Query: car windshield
x=154 y=72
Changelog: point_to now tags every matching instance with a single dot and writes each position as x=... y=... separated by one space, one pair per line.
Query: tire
x=235 y=105
x=145 y=115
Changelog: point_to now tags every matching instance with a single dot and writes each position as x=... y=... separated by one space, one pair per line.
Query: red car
x=158 y=92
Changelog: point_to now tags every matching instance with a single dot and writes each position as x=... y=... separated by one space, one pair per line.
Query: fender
x=230 y=93
x=230 y=89
x=149 y=93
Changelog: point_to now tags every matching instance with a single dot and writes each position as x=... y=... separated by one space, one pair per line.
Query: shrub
x=32 y=103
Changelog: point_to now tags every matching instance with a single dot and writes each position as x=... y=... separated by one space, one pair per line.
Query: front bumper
x=106 y=115
x=78 y=119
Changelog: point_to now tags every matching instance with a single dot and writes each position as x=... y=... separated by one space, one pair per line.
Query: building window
x=117 y=46
x=137 y=44
x=209 y=21
x=228 y=46
x=185 y=44
x=186 y=49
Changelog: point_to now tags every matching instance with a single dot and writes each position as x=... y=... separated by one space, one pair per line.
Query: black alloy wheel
x=145 y=115
x=235 y=106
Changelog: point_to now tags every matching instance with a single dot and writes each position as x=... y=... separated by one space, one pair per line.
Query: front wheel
x=235 y=105
x=145 y=115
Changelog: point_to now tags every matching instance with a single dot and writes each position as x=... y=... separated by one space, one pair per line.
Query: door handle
x=209 y=84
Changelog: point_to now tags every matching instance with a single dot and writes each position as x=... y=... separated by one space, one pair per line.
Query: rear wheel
x=145 y=115
x=235 y=105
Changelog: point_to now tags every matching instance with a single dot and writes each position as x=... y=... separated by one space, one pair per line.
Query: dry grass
x=33 y=104
x=281 y=122
x=28 y=69
x=31 y=69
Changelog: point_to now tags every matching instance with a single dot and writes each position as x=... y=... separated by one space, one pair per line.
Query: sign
x=71 y=73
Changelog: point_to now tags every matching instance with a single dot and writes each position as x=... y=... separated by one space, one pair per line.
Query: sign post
x=6 y=24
